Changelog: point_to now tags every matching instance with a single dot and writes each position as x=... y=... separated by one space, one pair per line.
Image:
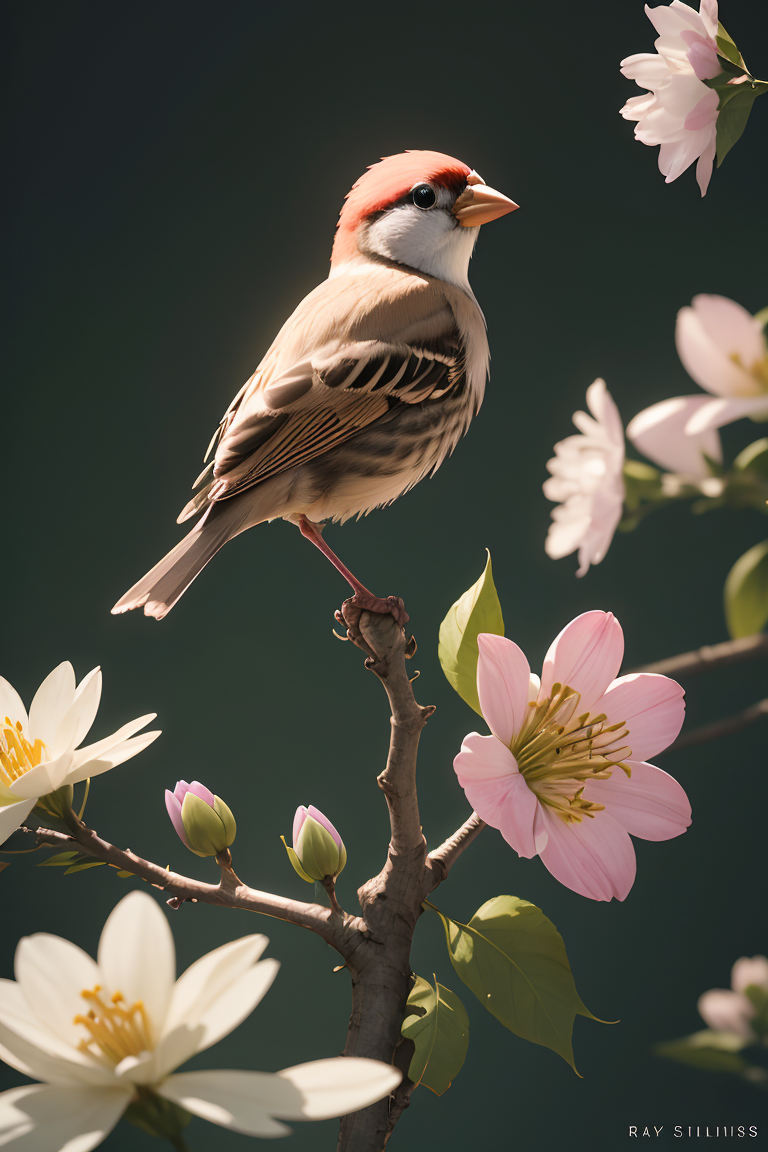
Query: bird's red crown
x=387 y=182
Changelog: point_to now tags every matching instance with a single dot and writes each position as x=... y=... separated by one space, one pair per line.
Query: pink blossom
x=564 y=774
x=730 y=1010
x=723 y=348
x=175 y=799
x=679 y=111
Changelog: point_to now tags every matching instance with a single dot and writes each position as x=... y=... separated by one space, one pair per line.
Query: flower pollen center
x=17 y=753
x=114 y=1031
x=559 y=750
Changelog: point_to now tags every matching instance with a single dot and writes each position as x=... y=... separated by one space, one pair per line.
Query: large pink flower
x=564 y=774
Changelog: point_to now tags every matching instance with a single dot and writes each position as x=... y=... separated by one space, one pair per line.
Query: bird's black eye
x=423 y=196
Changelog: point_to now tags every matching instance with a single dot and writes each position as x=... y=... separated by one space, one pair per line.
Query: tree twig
x=230 y=892
x=444 y=857
x=725 y=727
x=709 y=657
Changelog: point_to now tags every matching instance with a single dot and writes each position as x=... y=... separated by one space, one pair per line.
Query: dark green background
x=178 y=169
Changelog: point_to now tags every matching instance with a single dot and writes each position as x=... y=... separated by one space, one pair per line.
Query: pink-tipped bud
x=203 y=821
x=318 y=850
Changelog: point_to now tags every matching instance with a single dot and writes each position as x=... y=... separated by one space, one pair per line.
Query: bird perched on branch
x=367 y=387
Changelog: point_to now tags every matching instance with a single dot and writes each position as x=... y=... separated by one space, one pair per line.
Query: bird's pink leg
x=363 y=598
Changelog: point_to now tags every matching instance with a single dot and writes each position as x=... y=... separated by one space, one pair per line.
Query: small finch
x=367 y=387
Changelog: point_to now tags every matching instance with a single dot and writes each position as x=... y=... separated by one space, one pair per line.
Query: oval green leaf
x=514 y=960
x=712 y=1051
x=439 y=1028
x=478 y=610
x=746 y=592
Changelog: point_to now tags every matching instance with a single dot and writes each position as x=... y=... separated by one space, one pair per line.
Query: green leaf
x=736 y=102
x=712 y=1051
x=440 y=1034
x=727 y=48
x=746 y=592
x=753 y=458
x=84 y=867
x=60 y=860
x=478 y=610
x=514 y=960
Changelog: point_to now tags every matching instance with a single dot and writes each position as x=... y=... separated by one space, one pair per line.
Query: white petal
x=34 y=1045
x=80 y=716
x=50 y=702
x=12 y=815
x=731 y=328
x=11 y=705
x=52 y=972
x=237 y=1100
x=316 y=1091
x=749 y=970
x=205 y=980
x=137 y=956
x=97 y=750
x=338 y=1086
x=221 y=1017
x=46 y=777
x=42 y=1118
x=121 y=752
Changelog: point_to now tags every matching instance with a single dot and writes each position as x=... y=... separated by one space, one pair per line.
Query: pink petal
x=651 y=706
x=703 y=114
x=749 y=970
x=731 y=327
x=203 y=793
x=594 y=858
x=483 y=758
x=705 y=165
x=702 y=56
x=174 y=811
x=650 y=804
x=181 y=790
x=298 y=821
x=726 y=1011
x=586 y=655
x=503 y=677
x=498 y=793
x=707 y=334
x=709 y=17
x=716 y=413
x=317 y=815
x=659 y=433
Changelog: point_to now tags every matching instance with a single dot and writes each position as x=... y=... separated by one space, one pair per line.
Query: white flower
x=39 y=752
x=680 y=111
x=95 y=1032
x=731 y=1010
x=724 y=349
x=588 y=483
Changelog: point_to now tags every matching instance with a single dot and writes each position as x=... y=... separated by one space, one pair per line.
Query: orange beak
x=479 y=204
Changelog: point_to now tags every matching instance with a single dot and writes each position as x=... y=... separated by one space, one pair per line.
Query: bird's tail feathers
x=158 y=591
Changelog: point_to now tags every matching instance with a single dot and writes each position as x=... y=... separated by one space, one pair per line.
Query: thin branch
x=230 y=892
x=444 y=857
x=724 y=727
x=710 y=657
x=386 y=639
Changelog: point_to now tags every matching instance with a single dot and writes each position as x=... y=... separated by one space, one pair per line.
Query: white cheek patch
x=429 y=241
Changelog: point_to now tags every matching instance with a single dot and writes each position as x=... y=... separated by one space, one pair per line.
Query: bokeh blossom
x=587 y=482
x=103 y=1034
x=723 y=348
x=679 y=111
x=564 y=774
x=40 y=752
x=732 y=1010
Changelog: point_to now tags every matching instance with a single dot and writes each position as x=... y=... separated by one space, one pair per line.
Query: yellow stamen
x=559 y=750
x=114 y=1031
x=17 y=753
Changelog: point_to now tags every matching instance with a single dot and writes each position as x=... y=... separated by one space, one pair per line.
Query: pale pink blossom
x=730 y=1010
x=679 y=111
x=587 y=482
x=564 y=774
x=723 y=348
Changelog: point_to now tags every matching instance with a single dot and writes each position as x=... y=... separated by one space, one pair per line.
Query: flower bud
x=203 y=821
x=318 y=850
